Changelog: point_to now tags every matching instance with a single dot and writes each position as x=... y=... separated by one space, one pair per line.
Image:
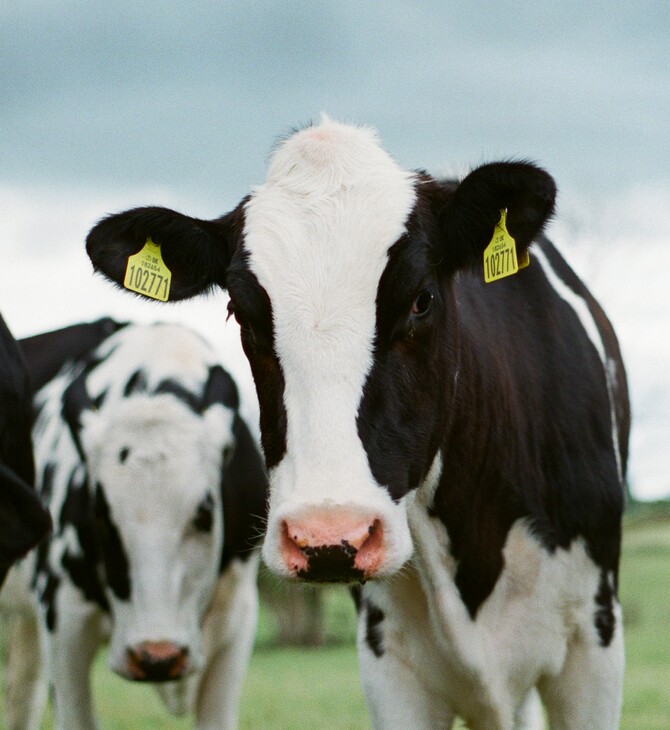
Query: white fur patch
x=318 y=233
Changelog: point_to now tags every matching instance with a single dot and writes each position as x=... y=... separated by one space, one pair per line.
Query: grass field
x=318 y=689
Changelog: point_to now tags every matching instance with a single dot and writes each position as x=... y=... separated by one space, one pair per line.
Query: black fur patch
x=76 y=400
x=48 y=583
x=82 y=573
x=204 y=516
x=244 y=489
x=374 y=635
x=48 y=600
x=47 y=483
x=331 y=564
x=604 y=619
x=180 y=392
x=114 y=558
x=77 y=510
x=251 y=306
x=137 y=383
x=355 y=591
x=220 y=388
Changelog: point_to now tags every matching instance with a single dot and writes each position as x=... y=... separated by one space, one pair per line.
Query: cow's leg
x=396 y=698
x=70 y=648
x=587 y=693
x=530 y=716
x=399 y=667
x=228 y=633
x=25 y=681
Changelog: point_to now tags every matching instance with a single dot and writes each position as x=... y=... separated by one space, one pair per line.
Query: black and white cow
x=158 y=496
x=460 y=445
x=23 y=519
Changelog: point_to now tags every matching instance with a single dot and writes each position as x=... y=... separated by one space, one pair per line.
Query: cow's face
x=155 y=470
x=340 y=272
x=341 y=349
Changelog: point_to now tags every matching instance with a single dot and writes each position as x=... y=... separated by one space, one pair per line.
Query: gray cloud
x=191 y=95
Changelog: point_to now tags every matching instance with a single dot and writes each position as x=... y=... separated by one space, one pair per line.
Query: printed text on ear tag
x=500 y=258
x=146 y=273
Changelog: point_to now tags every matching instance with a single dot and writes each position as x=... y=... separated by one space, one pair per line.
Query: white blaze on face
x=318 y=234
x=157 y=461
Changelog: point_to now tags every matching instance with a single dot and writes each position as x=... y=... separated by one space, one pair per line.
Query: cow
x=46 y=353
x=23 y=519
x=158 y=495
x=453 y=447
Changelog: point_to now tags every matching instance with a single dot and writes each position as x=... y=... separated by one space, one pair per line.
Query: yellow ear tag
x=500 y=258
x=146 y=273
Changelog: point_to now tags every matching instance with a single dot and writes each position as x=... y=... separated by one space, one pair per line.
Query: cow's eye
x=422 y=304
x=204 y=515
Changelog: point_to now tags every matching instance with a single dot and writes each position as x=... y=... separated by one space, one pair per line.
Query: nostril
x=292 y=544
x=370 y=554
x=134 y=664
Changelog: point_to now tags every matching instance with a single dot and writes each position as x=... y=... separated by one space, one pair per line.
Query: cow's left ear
x=467 y=214
x=197 y=252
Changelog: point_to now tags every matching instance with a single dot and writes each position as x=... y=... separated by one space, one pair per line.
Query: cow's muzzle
x=157 y=661
x=332 y=547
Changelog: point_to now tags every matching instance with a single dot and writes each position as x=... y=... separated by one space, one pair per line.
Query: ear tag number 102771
x=147 y=274
x=500 y=259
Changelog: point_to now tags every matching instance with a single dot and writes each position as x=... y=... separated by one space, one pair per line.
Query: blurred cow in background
x=157 y=493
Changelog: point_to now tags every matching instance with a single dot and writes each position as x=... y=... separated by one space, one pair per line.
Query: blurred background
x=110 y=105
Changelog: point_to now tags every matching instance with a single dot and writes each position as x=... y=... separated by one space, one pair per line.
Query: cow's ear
x=468 y=212
x=220 y=388
x=197 y=252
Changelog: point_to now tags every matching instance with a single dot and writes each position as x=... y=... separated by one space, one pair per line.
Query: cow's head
x=340 y=272
x=154 y=460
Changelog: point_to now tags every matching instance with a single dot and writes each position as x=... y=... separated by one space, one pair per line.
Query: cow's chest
x=520 y=633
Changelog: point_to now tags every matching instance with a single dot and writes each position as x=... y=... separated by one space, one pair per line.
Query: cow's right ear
x=197 y=252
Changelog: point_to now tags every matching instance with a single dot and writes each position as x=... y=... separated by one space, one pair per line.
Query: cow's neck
x=475 y=497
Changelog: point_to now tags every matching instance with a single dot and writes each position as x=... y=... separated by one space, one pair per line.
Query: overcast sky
x=106 y=105
x=191 y=95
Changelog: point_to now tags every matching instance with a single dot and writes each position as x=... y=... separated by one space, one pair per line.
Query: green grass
x=310 y=689
x=645 y=595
